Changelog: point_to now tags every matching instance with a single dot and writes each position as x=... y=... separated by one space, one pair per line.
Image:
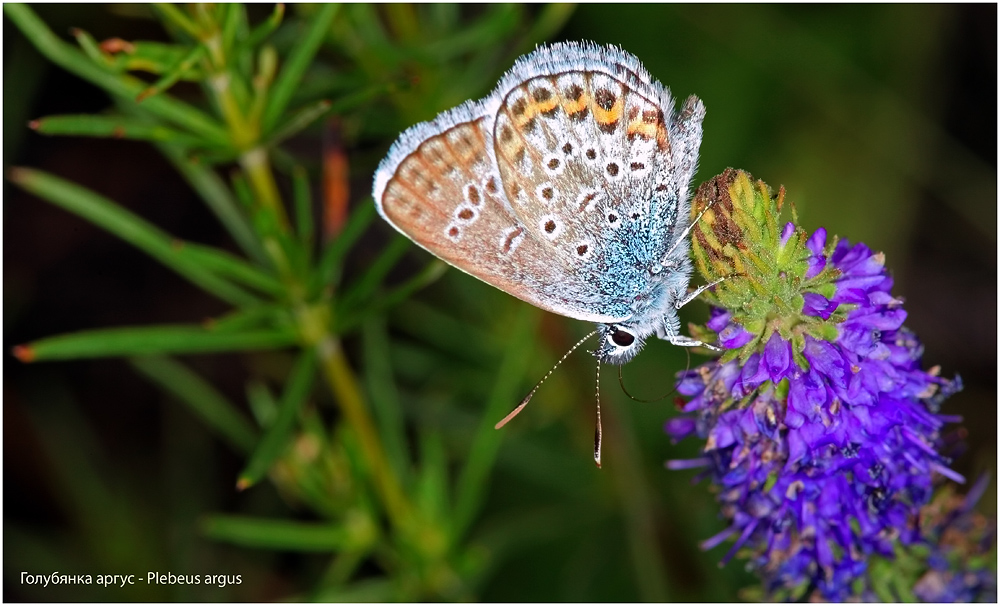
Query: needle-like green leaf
x=432 y=489
x=161 y=339
x=118 y=127
x=296 y=64
x=230 y=266
x=201 y=397
x=219 y=199
x=175 y=73
x=361 y=290
x=329 y=267
x=153 y=57
x=136 y=231
x=266 y=533
x=298 y=121
x=265 y=29
x=233 y=20
x=250 y=318
x=120 y=85
x=384 y=397
x=175 y=16
x=276 y=438
x=348 y=320
x=262 y=403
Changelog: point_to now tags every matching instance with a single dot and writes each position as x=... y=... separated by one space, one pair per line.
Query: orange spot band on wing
x=644 y=130
x=609 y=116
x=573 y=106
x=540 y=107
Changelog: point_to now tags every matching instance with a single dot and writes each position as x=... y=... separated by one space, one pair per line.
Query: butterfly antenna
x=621 y=382
x=597 y=429
x=687 y=230
x=527 y=398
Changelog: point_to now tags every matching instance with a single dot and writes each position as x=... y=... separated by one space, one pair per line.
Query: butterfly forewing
x=446 y=196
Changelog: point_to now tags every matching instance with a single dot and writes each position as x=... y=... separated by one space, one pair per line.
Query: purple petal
x=951 y=475
x=690 y=383
x=719 y=319
x=718 y=538
x=677 y=464
x=721 y=436
x=818 y=305
x=797 y=449
x=786 y=233
x=734 y=336
x=817 y=242
x=828 y=360
x=752 y=375
x=777 y=357
x=739 y=542
x=816 y=264
x=680 y=427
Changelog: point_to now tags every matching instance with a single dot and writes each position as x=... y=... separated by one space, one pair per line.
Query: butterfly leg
x=694 y=295
x=666 y=261
x=683 y=341
x=669 y=331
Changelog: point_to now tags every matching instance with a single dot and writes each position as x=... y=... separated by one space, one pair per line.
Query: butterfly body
x=567 y=187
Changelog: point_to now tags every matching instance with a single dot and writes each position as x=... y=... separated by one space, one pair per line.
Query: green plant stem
x=246 y=136
x=315 y=323
x=257 y=165
x=347 y=393
x=313 y=320
x=244 y=132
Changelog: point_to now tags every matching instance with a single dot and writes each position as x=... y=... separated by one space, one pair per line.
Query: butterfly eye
x=622 y=338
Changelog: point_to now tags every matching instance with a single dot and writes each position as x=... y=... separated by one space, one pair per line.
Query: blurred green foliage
x=356 y=413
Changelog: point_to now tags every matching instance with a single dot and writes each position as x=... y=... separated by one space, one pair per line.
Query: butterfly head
x=619 y=343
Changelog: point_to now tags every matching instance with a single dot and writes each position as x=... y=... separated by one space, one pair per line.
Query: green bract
x=764 y=265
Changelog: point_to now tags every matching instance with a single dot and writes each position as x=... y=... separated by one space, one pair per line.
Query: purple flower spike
x=824 y=444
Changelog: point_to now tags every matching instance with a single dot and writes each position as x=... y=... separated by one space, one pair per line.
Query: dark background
x=880 y=121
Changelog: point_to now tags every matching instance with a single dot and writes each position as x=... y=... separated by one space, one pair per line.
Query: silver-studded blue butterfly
x=567 y=187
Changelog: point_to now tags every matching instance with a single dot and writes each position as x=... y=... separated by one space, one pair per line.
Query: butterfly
x=566 y=187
